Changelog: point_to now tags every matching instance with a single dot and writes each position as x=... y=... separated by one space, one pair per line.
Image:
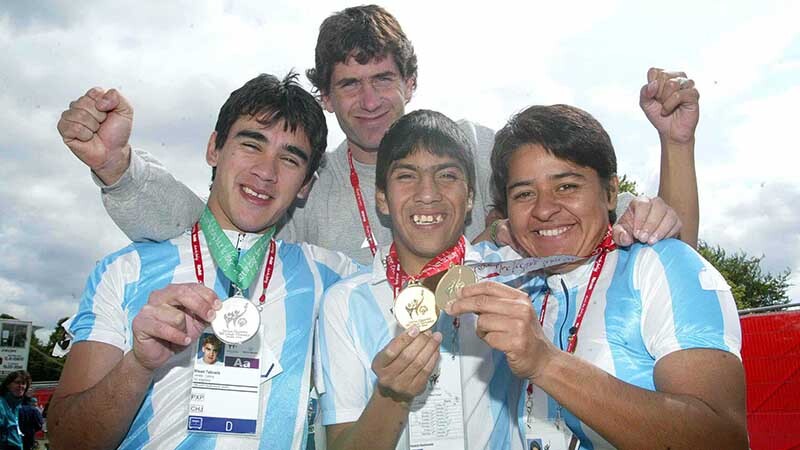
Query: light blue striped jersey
x=121 y=285
x=648 y=302
x=356 y=324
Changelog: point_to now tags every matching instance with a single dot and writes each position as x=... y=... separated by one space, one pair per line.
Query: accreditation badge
x=238 y=320
x=415 y=305
x=456 y=278
x=436 y=418
x=226 y=384
x=542 y=432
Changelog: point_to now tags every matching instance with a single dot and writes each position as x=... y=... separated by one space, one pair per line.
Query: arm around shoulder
x=148 y=204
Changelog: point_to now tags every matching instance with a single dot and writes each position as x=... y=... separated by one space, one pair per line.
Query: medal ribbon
x=198 y=262
x=362 y=210
x=397 y=277
x=241 y=271
x=602 y=249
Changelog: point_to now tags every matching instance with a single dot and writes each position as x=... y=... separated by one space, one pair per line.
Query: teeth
x=249 y=191
x=427 y=219
x=552 y=231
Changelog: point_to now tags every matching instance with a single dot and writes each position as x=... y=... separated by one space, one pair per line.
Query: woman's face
x=555 y=206
x=18 y=387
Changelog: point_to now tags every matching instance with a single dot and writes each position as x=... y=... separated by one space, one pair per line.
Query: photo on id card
x=225 y=386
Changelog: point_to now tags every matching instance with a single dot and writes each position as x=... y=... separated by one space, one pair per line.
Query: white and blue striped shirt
x=356 y=324
x=121 y=285
x=648 y=302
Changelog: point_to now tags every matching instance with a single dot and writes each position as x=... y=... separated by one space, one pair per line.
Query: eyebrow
x=257 y=136
x=348 y=80
x=555 y=177
x=436 y=168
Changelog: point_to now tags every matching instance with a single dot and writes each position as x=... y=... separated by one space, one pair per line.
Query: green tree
x=627 y=185
x=751 y=287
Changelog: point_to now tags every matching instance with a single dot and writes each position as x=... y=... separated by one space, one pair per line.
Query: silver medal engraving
x=238 y=321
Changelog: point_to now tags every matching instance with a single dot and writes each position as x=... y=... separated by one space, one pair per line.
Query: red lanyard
x=602 y=249
x=397 y=277
x=362 y=210
x=198 y=262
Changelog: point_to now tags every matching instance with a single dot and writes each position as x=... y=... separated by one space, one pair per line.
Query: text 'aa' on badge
x=416 y=305
x=456 y=278
x=238 y=321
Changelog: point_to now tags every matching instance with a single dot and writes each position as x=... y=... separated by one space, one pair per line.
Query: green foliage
x=750 y=286
x=627 y=185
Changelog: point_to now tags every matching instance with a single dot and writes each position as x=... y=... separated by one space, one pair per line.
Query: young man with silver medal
x=128 y=381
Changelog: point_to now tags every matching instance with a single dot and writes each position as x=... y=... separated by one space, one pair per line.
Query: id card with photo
x=436 y=419
x=225 y=386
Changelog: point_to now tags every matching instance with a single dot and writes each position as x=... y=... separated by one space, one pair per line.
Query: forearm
x=633 y=418
x=148 y=204
x=99 y=417
x=379 y=426
x=116 y=165
x=678 y=186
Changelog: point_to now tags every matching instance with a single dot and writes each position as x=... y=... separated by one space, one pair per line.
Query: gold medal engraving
x=416 y=305
x=456 y=278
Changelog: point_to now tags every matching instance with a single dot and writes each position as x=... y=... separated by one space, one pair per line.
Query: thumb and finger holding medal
x=176 y=313
x=404 y=365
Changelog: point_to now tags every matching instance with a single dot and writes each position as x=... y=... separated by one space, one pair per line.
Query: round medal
x=238 y=321
x=415 y=305
x=456 y=278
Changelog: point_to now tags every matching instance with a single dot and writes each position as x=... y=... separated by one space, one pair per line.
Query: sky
x=177 y=62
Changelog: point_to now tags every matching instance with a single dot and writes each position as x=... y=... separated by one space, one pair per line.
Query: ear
x=212 y=154
x=306 y=188
x=381 y=202
x=411 y=86
x=613 y=191
x=326 y=102
x=469 y=201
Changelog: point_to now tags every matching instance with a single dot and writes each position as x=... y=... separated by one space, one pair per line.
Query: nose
x=369 y=98
x=546 y=206
x=427 y=190
x=266 y=167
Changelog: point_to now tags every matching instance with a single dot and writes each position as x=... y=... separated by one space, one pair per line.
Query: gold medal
x=415 y=305
x=456 y=278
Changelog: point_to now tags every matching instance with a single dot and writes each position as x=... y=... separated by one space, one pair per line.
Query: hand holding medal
x=172 y=318
x=405 y=365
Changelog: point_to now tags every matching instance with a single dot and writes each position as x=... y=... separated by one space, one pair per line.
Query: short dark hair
x=429 y=130
x=364 y=32
x=11 y=377
x=213 y=340
x=270 y=100
x=565 y=131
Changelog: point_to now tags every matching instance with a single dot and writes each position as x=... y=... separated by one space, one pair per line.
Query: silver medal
x=238 y=321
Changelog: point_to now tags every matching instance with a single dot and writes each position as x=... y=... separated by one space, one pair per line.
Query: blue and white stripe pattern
x=120 y=286
x=356 y=324
x=649 y=301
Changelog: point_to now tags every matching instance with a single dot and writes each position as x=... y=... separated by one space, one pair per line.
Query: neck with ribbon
x=398 y=277
x=240 y=271
x=603 y=248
